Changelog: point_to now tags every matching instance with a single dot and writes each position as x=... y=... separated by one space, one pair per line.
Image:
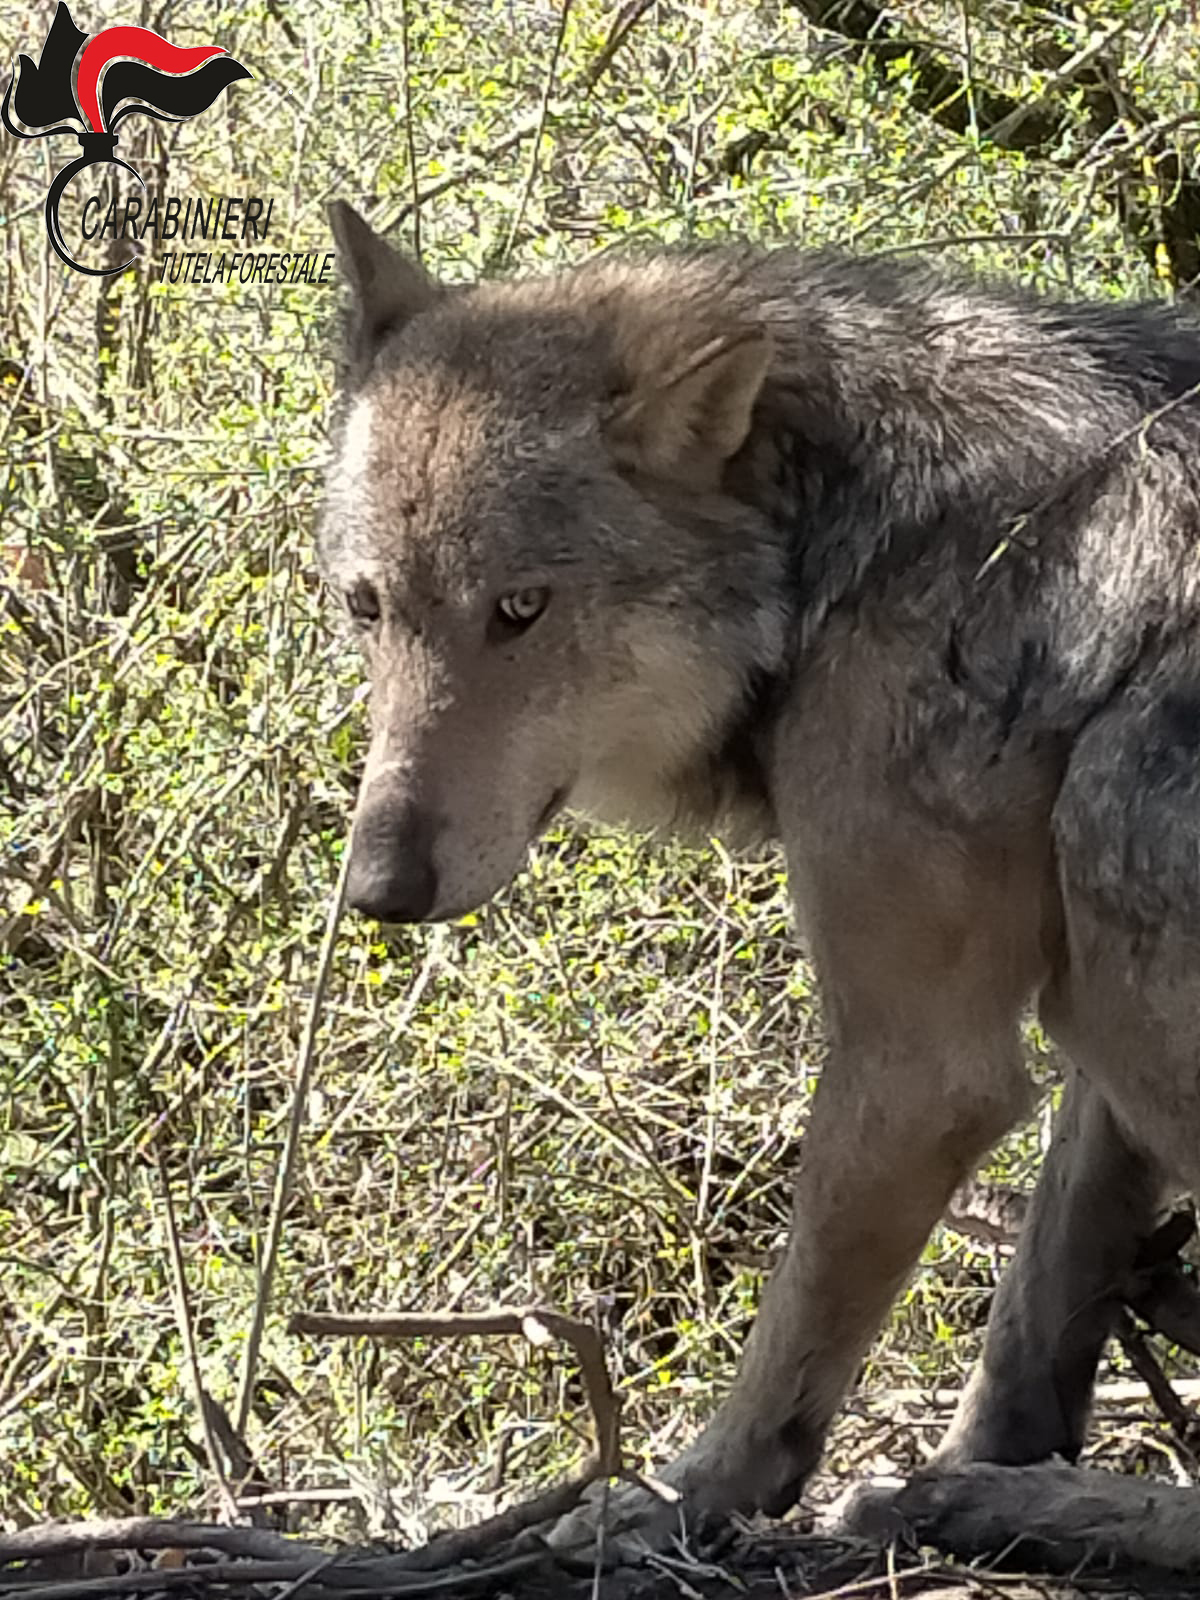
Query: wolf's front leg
x=887 y=1145
x=926 y=950
x=924 y=969
x=890 y=1138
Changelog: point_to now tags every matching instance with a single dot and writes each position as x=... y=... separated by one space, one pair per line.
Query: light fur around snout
x=898 y=569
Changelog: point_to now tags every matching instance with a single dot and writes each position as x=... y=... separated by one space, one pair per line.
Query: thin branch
x=1139 y=431
x=289 y=33
x=1036 y=124
x=1182 y=1421
x=538 y=1324
x=334 y=1494
x=1003 y=131
x=540 y=131
x=936 y=86
x=152 y=1533
x=291 y=1147
x=409 y=136
x=348 y=1578
x=183 y=1316
x=470 y=1544
x=480 y=160
x=626 y=20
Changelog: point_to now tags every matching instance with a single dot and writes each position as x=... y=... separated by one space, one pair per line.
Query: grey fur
x=897 y=567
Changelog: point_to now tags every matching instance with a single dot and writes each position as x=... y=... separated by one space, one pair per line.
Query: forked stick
x=538 y=1324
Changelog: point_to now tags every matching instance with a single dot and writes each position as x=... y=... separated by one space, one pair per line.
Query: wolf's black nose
x=392 y=876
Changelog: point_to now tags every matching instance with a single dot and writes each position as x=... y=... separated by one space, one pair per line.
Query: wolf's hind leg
x=1124 y=1004
x=1030 y=1393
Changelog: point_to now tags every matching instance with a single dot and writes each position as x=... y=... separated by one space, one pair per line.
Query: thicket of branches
x=591 y=1093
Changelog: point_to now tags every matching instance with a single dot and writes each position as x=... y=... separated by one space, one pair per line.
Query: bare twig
x=41 y=1377
x=1181 y=1420
x=291 y=1147
x=183 y=1316
x=1001 y=132
x=242 y=1467
x=289 y=33
x=469 y=1544
x=409 y=135
x=152 y=1533
x=539 y=134
x=346 y=1579
x=538 y=1324
x=952 y=241
x=626 y=19
x=331 y=1495
x=480 y=160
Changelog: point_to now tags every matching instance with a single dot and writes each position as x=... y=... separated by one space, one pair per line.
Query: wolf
x=899 y=568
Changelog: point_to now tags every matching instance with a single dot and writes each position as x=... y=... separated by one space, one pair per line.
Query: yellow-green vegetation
x=592 y=1092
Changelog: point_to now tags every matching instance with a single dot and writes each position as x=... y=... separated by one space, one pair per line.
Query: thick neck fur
x=903 y=405
x=907 y=415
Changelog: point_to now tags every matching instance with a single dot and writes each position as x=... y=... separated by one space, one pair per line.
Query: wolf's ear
x=387 y=288
x=685 y=421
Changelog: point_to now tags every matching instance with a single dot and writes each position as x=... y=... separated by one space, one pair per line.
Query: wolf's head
x=525 y=521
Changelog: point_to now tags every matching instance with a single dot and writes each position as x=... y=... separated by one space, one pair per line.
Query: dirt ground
x=1051 y=1531
x=779 y=1565
x=777 y=1562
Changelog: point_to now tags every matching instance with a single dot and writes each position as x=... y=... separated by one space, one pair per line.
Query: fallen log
x=1052 y=1516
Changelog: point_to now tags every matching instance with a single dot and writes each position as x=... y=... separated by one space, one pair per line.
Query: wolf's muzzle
x=392 y=876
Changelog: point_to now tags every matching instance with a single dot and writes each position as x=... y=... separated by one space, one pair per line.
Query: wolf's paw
x=867 y=1510
x=691 y=1500
x=625 y=1522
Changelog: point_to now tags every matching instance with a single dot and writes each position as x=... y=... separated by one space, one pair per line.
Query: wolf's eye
x=523 y=606
x=362 y=602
